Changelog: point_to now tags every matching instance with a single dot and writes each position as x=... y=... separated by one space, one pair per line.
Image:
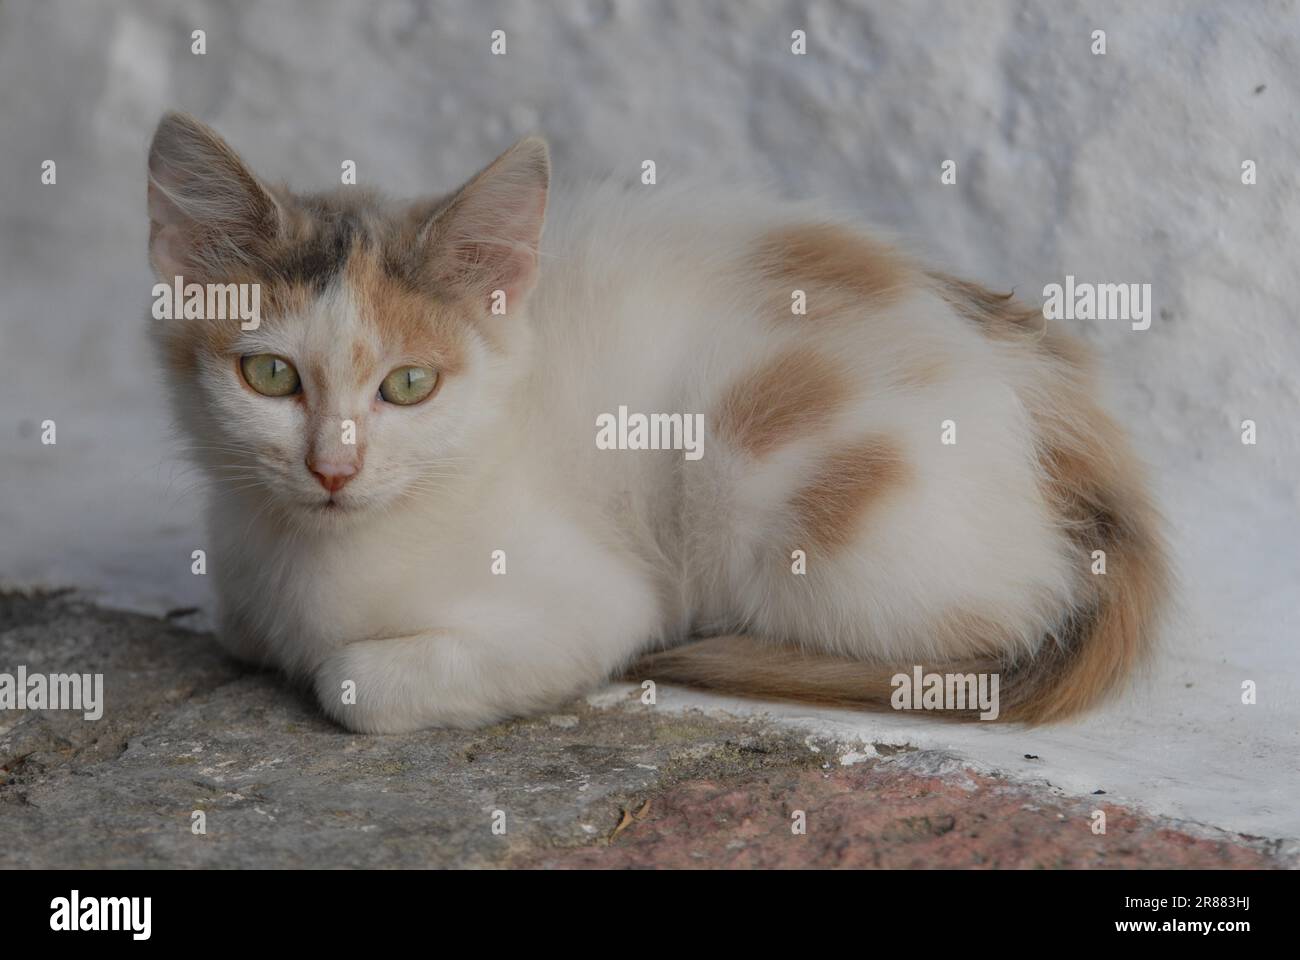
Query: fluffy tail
x=1074 y=669
x=746 y=666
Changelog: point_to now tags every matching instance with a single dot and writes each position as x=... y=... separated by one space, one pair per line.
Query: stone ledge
x=625 y=785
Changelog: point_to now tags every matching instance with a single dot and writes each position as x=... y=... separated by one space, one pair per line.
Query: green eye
x=408 y=385
x=269 y=375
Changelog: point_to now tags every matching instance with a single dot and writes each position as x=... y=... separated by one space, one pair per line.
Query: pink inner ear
x=519 y=272
x=169 y=251
x=161 y=209
x=168 y=240
x=489 y=240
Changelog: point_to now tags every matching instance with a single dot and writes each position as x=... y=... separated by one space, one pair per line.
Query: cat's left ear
x=208 y=214
x=488 y=236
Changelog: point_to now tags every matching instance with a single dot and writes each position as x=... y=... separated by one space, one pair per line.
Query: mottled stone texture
x=186 y=730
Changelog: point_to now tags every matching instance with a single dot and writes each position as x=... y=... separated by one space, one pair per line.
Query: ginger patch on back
x=835 y=270
x=791 y=395
x=844 y=487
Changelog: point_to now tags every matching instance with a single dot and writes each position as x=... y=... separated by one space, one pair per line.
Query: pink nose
x=332 y=476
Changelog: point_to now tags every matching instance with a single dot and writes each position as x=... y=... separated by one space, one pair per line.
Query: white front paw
x=398 y=686
x=354 y=691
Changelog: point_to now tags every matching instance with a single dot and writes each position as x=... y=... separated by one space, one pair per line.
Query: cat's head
x=386 y=334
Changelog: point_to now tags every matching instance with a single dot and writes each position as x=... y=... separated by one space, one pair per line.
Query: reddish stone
x=881 y=815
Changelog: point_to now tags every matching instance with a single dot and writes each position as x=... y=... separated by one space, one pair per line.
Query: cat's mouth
x=335 y=507
x=331 y=507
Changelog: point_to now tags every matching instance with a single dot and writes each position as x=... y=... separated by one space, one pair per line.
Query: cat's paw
x=399 y=685
x=357 y=688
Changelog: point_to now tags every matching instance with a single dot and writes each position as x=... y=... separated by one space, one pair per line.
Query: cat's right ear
x=208 y=214
x=487 y=236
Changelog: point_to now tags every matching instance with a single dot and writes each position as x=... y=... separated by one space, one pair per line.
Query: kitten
x=476 y=554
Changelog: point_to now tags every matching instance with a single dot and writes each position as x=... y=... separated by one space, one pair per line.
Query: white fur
x=610 y=552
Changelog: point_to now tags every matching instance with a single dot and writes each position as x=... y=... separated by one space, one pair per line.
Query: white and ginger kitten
x=475 y=554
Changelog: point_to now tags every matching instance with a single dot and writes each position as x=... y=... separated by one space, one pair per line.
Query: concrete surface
x=612 y=782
